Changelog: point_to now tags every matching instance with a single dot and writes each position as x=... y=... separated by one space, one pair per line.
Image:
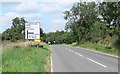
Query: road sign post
x=32 y=31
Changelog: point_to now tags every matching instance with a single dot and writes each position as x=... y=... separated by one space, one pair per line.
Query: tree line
x=90 y=22
x=86 y=22
x=95 y=22
x=17 y=30
x=58 y=37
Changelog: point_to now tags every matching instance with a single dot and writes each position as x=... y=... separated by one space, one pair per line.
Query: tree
x=80 y=20
x=6 y=35
x=90 y=22
x=16 y=32
x=58 y=37
x=110 y=12
x=19 y=24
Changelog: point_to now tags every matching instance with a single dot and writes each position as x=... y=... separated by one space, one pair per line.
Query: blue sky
x=48 y=13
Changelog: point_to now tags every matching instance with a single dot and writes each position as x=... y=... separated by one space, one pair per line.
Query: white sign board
x=32 y=30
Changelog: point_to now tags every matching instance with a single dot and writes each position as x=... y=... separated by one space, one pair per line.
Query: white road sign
x=32 y=30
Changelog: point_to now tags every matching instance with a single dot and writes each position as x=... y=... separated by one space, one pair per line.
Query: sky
x=48 y=12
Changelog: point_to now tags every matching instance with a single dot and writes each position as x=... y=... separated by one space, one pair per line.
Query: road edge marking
x=97 y=62
x=114 y=56
x=51 y=63
x=101 y=52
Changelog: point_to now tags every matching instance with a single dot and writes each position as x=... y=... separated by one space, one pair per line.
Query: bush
x=117 y=43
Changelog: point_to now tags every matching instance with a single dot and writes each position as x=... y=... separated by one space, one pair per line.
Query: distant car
x=49 y=43
x=54 y=42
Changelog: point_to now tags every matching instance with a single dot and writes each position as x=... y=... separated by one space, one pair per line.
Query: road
x=71 y=59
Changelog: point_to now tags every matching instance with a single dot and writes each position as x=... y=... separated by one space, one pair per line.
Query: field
x=26 y=59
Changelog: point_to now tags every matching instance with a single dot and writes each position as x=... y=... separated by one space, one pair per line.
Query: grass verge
x=100 y=47
x=26 y=59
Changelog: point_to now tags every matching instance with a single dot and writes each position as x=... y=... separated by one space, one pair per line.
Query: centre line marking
x=88 y=58
x=78 y=54
x=74 y=52
x=97 y=63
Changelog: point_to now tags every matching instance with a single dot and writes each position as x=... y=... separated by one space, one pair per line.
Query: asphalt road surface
x=71 y=59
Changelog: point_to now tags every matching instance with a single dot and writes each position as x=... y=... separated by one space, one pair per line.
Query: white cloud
x=32 y=15
x=3 y=20
x=65 y=1
x=39 y=0
x=27 y=6
x=57 y=21
x=43 y=6
x=17 y=0
x=53 y=28
x=50 y=12
x=50 y=8
x=11 y=14
x=6 y=18
x=56 y=24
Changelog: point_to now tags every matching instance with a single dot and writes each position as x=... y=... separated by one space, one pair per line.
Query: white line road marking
x=69 y=49
x=74 y=52
x=66 y=48
x=88 y=58
x=99 y=52
x=97 y=63
x=78 y=54
x=51 y=64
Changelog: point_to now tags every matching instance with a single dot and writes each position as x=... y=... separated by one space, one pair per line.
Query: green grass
x=98 y=47
x=26 y=59
x=101 y=47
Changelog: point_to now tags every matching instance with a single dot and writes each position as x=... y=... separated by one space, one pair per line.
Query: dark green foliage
x=17 y=30
x=117 y=43
x=42 y=34
x=110 y=12
x=96 y=23
x=81 y=18
x=58 y=37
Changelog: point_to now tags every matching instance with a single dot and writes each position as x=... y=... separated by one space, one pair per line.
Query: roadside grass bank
x=99 y=47
x=26 y=59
